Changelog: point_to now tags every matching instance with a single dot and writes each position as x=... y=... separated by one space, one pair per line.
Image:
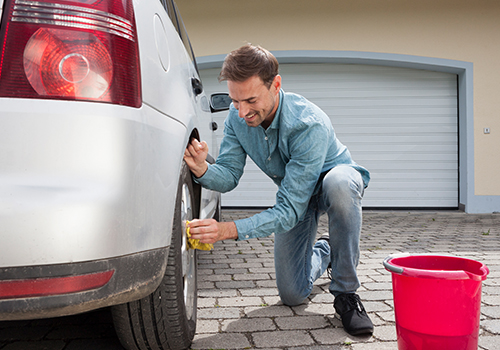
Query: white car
x=98 y=100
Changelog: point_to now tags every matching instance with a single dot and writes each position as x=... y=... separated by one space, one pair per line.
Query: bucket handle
x=392 y=268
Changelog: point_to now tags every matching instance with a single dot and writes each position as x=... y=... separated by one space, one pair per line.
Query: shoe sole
x=365 y=331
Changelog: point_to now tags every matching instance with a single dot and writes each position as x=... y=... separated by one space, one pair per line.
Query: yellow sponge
x=195 y=243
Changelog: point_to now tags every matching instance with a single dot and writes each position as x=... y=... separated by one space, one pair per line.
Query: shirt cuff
x=205 y=178
x=245 y=228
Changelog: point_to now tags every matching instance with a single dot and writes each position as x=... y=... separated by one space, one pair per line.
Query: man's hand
x=195 y=156
x=211 y=231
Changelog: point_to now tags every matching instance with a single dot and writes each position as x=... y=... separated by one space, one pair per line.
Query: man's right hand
x=195 y=156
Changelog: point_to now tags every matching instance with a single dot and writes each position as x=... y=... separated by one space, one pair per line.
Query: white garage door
x=401 y=124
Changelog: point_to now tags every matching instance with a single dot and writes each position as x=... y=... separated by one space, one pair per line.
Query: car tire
x=166 y=319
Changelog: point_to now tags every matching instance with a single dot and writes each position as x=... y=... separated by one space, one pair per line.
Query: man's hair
x=248 y=61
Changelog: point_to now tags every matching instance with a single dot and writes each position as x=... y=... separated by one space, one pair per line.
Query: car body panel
x=82 y=181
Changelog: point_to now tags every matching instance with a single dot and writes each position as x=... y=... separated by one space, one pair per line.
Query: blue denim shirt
x=298 y=146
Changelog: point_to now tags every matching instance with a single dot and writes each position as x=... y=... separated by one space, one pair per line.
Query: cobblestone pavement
x=238 y=304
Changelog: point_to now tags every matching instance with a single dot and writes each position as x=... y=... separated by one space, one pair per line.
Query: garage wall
x=399 y=123
x=462 y=30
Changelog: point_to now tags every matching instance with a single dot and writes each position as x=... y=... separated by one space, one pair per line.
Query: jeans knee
x=343 y=183
x=291 y=298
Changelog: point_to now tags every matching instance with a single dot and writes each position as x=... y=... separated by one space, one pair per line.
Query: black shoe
x=353 y=314
x=326 y=237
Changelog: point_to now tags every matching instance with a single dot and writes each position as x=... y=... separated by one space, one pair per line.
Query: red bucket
x=437 y=301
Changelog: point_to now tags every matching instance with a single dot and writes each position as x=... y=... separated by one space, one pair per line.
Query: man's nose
x=243 y=110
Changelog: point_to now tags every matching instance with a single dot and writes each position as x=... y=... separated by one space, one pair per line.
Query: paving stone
x=490 y=342
x=248 y=325
x=375 y=346
x=378 y=286
x=492 y=326
x=221 y=341
x=259 y=291
x=491 y=311
x=376 y=306
x=207 y=326
x=314 y=309
x=268 y=311
x=375 y=295
x=240 y=301
x=206 y=302
x=266 y=283
x=251 y=277
x=491 y=290
x=272 y=300
x=212 y=278
x=206 y=285
x=250 y=266
x=230 y=271
x=282 y=339
x=323 y=298
x=301 y=322
x=235 y=284
x=377 y=320
x=217 y=293
x=319 y=347
x=218 y=313
x=387 y=316
x=385 y=333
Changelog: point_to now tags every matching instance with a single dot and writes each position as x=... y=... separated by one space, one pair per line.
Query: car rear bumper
x=133 y=277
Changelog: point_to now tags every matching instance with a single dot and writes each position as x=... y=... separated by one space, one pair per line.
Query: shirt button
x=265 y=138
x=275 y=176
x=247 y=236
x=269 y=158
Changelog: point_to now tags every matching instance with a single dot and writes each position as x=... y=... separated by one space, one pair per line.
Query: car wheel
x=166 y=319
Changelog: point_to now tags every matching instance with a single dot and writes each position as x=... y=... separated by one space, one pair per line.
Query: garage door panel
x=377 y=148
x=422 y=203
x=401 y=124
x=392 y=139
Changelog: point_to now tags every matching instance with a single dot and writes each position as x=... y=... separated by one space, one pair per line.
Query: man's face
x=256 y=103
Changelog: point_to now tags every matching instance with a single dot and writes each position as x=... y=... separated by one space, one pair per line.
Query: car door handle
x=197 y=86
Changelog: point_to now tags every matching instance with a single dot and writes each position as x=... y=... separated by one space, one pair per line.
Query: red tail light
x=73 y=49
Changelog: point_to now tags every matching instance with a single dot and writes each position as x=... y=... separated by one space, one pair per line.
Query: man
x=294 y=143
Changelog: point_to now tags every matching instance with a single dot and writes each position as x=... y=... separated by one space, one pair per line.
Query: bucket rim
x=458 y=274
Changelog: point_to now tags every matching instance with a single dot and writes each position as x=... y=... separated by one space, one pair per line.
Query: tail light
x=72 y=49
x=38 y=287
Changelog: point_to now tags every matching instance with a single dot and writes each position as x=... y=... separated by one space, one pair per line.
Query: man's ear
x=277 y=82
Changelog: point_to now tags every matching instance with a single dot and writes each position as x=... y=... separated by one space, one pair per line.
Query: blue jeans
x=299 y=261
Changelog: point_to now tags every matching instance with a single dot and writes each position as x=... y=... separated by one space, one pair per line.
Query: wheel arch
x=195 y=134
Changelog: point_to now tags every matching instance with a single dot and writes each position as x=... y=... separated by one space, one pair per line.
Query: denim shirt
x=294 y=151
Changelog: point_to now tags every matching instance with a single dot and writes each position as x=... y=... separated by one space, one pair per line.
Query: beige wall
x=465 y=30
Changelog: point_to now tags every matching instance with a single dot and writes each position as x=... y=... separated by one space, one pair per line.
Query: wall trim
x=468 y=201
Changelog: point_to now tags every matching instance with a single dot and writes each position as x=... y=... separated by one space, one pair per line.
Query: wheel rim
x=188 y=256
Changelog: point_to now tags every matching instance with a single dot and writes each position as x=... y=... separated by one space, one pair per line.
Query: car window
x=176 y=18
